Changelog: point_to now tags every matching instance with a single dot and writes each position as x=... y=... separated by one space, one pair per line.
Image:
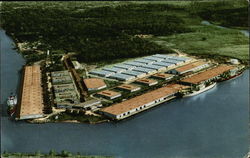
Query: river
x=212 y=124
x=245 y=32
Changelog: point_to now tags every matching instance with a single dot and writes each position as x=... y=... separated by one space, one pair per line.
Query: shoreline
x=109 y=120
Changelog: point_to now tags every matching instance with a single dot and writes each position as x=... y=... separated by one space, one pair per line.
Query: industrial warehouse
x=31 y=105
x=141 y=67
x=121 y=90
x=142 y=102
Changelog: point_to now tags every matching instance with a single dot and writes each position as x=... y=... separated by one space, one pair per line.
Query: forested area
x=226 y=13
x=95 y=34
x=105 y=31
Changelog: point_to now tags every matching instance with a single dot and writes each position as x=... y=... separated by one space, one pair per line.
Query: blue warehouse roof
x=153 y=58
x=144 y=61
x=123 y=66
x=114 y=69
x=171 y=61
x=141 y=69
x=155 y=67
x=133 y=73
x=134 y=63
x=163 y=64
x=161 y=56
x=178 y=58
x=122 y=76
x=101 y=72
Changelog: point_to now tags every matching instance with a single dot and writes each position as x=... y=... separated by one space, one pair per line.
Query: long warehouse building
x=137 y=104
x=31 y=104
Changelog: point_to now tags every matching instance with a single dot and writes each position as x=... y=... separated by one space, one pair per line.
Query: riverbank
x=51 y=154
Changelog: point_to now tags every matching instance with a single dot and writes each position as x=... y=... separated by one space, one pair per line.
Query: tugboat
x=12 y=102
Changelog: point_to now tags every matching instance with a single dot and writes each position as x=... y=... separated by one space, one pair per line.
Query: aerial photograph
x=124 y=79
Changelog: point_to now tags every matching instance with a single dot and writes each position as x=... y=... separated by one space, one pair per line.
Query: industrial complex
x=123 y=89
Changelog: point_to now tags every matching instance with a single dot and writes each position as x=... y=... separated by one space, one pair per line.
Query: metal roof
x=133 y=73
x=178 y=58
x=160 y=56
x=171 y=61
x=134 y=63
x=141 y=60
x=122 y=76
x=123 y=66
x=163 y=64
x=141 y=69
x=153 y=58
x=101 y=72
x=155 y=67
x=113 y=69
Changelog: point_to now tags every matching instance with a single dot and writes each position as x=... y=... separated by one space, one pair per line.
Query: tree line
x=95 y=34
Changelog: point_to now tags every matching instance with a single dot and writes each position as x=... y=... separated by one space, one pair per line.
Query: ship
x=12 y=102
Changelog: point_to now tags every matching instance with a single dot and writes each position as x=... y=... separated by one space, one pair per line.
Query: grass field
x=208 y=40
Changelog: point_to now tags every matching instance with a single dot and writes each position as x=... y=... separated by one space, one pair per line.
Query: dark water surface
x=211 y=125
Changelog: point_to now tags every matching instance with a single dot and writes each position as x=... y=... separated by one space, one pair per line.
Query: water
x=245 y=32
x=212 y=124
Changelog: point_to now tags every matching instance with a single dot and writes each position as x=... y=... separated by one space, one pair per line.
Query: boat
x=12 y=102
x=200 y=91
x=231 y=77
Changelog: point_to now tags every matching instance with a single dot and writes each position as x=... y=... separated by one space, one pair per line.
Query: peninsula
x=102 y=68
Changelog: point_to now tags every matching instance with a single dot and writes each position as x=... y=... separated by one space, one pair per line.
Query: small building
x=234 y=61
x=122 y=77
x=155 y=67
x=163 y=76
x=109 y=94
x=64 y=87
x=61 y=80
x=77 y=65
x=114 y=69
x=195 y=66
x=145 y=70
x=126 y=67
x=102 y=73
x=137 y=74
x=129 y=87
x=148 y=82
x=60 y=73
x=68 y=96
x=93 y=84
x=88 y=105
